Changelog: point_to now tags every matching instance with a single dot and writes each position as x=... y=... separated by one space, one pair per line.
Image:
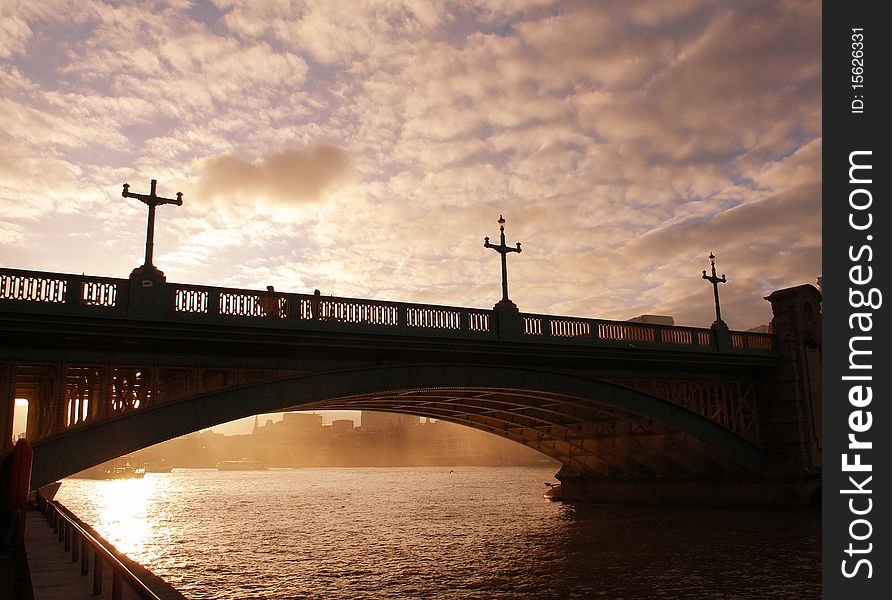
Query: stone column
x=721 y=336
x=508 y=321
x=147 y=296
x=790 y=400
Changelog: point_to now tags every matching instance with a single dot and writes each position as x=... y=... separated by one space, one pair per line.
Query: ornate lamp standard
x=715 y=281
x=503 y=249
x=148 y=272
x=720 y=332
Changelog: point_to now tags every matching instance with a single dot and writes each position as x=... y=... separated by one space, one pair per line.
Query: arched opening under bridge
x=594 y=427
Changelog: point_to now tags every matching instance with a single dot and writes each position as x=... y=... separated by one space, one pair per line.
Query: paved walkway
x=53 y=575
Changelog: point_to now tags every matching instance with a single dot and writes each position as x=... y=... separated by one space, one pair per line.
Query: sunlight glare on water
x=122 y=511
x=467 y=532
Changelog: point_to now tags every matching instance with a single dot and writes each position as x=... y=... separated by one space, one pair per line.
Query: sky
x=365 y=148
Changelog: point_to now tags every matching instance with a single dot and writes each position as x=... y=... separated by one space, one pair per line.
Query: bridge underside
x=593 y=427
x=593 y=438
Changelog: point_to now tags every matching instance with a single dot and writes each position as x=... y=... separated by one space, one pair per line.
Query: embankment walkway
x=58 y=572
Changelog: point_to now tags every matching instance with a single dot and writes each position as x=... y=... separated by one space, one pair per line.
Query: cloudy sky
x=365 y=148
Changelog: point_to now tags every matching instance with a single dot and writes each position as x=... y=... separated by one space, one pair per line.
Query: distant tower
x=256 y=423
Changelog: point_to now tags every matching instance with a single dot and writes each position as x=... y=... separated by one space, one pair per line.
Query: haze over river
x=434 y=532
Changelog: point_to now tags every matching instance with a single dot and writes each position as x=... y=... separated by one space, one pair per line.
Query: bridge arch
x=598 y=428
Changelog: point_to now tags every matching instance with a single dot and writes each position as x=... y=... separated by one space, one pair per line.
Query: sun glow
x=123 y=510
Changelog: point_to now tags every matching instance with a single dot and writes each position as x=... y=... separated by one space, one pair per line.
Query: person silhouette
x=269 y=304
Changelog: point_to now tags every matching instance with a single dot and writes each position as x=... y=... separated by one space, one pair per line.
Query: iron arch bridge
x=109 y=367
x=595 y=427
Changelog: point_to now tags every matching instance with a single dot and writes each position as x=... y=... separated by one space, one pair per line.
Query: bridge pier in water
x=789 y=422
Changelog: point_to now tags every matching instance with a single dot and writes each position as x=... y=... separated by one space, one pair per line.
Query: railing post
x=117 y=587
x=75 y=547
x=213 y=303
x=67 y=536
x=402 y=318
x=85 y=557
x=149 y=296
x=508 y=321
x=596 y=329
x=97 y=573
x=721 y=336
x=75 y=292
x=546 y=327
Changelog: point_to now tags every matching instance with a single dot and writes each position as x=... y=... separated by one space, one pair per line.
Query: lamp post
x=715 y=281
x=503 y=249
x=152 y=200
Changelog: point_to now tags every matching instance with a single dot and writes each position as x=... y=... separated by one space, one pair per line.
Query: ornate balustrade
x=57 y=293
x=623 y=333
x=33 y=289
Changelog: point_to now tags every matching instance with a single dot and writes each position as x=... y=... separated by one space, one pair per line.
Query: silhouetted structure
x=373 y=421
x=715 y=281
x=654 y=319
x=670 y=406
x=633 y=411
x=148 y=272
x=503 y=250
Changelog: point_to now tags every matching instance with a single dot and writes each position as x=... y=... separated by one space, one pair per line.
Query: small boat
x=241 y=465
x=553 y=492
x=124 y=467
x=158 y=467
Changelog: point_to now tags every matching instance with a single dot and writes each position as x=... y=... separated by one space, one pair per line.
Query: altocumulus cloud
x=289 y=177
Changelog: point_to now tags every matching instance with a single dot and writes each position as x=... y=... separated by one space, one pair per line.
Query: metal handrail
x=69 y=527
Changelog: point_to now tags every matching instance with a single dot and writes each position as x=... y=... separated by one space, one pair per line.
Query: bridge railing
x=82 y=542
x=37 y=291
x=41 y=289
x=319 y=312
x=626 y=333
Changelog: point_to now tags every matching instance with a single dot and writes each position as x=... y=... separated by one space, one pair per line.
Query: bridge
x=633 y=411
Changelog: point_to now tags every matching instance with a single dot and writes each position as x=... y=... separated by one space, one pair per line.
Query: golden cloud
x=292 y=176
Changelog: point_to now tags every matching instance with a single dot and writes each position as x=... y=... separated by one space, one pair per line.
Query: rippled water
x=435 y=533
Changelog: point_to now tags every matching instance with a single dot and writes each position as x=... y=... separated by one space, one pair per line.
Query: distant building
x=292 y=423
x=373 y=421
x=760 y=329
x=400 y=440
x=653 y=319
x=339 y=425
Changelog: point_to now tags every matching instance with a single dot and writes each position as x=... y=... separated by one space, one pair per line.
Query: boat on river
x=553 y=492
x=161 y=466
x=125 y=467
x=241 y=465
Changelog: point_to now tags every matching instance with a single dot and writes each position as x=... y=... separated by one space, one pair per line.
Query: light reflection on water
x=121 y=509
x=430 y=533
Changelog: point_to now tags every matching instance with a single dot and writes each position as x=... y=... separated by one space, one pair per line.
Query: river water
x=466 y=532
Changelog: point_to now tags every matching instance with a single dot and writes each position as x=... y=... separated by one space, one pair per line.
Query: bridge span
x=635 y=412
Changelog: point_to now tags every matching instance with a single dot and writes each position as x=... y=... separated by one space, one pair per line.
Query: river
x=433 y=532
